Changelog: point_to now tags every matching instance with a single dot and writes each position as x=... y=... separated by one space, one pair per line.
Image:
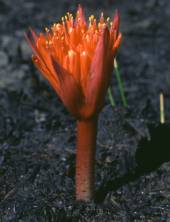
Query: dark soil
x=37 y=134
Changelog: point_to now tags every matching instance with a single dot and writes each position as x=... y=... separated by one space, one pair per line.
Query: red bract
x=77 y=59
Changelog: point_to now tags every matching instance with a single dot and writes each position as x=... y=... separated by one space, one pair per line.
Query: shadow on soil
x=150 y=154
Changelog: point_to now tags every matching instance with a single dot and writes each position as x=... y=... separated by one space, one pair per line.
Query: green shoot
x=162 y=112
x=111 y=99
x=120 y=84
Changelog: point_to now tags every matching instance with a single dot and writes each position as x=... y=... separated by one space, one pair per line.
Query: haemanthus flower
x=76 y=57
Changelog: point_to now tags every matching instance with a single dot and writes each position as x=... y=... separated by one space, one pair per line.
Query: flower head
x=76 y=57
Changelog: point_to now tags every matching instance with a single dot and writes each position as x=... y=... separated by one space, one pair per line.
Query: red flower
x=77 y=59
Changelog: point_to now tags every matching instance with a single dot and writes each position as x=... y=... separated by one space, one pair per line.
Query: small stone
x=3 y=59
x=150 y=4
x=10 y=45
x=1 y=160
x=25 y=50
x=11 y=78
x=4 y=8
x=108 y=159
x=29 y=5
x=5 y=41
x=39 y=116
x=168 y=218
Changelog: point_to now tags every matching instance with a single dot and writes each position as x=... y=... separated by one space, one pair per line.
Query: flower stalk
x=85 y=159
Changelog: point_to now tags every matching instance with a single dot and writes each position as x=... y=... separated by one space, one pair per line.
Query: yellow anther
x=91 y=18
x=83 y=53
x=71 y=53
x=58 y=26
x=50 y=42
x=70 y=30
x=87 y=38
x=108 y=19
x=46 y=29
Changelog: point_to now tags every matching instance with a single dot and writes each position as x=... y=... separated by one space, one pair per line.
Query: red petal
x=80 y=14
x=31 y=38
x=40 y=52
x=53 y=80
x=117 y=44
x=116 y=21
x=71 y=93
x=100 y=73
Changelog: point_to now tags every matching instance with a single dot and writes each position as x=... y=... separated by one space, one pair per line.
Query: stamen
x=74 y=41
x=83 y=53
x=71 y=53
x=108 y=19
x=70 y=30
x=46 y=29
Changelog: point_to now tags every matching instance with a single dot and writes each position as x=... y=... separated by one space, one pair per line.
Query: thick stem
x=85 y=162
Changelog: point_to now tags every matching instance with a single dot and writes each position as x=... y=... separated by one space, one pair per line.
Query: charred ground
x=37 y=134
